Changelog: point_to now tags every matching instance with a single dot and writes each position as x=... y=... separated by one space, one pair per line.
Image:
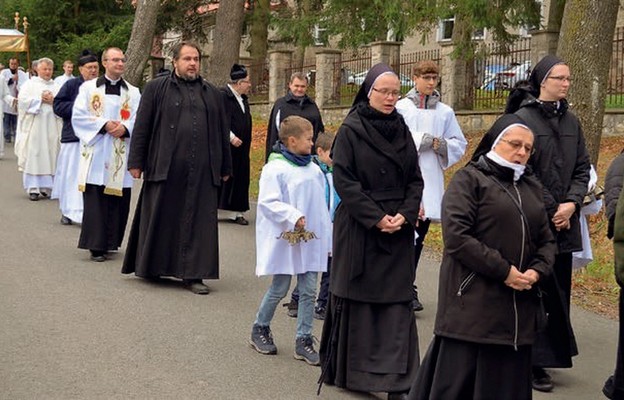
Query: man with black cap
x=66 y=178
x=181 y=147
x=234 y=195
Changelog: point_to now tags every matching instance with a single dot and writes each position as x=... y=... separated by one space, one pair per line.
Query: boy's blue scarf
x=297 y=159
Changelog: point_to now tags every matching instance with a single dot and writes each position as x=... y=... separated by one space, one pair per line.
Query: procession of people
x=355 y=208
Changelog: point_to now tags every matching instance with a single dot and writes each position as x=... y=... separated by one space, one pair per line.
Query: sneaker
x=262 y=340
x=293 y=307
x=304 y=350
x=416 y=304
x=319 y=313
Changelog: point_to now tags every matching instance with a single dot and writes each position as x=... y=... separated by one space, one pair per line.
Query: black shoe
x=65 y=220
x=304 y=350
x=416 y=304
x=98 y=256
x=608 y=388
x=541 y=380
x=196 y=286
x=240 y=220
x=33 y=196
x=262 y=340
x=293 y=308
x=319 y=313
x=397 y=396
x=44 y=194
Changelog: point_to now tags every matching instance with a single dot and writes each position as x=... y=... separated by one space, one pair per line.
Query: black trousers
x=104 y=219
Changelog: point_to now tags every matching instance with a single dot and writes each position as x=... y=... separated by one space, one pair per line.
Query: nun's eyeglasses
x=388 y=93
x=515 y=145
x=561 y=78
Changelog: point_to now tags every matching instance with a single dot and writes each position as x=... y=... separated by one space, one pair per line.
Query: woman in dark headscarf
x=561 y=163
x=370 y=341
x=497 y=246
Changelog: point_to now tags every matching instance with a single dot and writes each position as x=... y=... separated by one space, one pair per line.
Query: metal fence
x=353 y=69
x=497 y=69
x=259 y=74
x=615 y=86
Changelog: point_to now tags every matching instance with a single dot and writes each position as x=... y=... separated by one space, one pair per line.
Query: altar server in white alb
x=103 y=119
x=38 y=136
x=439 y=141
x=66 y=178
x=5 y=96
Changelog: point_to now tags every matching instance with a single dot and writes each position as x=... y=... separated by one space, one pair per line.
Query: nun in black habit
x=561 y=163
x=497 y=247
x=370 y=341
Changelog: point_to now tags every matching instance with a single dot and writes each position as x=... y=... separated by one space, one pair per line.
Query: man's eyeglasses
x=388 y=93
x=429 y=77
x=517 y=145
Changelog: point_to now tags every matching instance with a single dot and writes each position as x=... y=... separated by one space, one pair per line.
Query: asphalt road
x=74 y=329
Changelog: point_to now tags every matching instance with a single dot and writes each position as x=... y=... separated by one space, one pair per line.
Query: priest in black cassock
x=181 y=147
x=234 y=195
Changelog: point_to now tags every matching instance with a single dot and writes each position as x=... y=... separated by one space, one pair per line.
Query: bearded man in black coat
x=182 y=149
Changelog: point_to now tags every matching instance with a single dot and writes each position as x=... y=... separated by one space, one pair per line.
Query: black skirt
x=458 y=370
x=369 y=347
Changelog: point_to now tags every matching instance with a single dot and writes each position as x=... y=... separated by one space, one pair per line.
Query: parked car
x=489 y=76
x=358 y=79
x=516 y=72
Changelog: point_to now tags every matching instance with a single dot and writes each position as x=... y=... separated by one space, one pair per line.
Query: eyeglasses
x=429 y=77
x=388 y=93
x=515 y=145
x=561 y=78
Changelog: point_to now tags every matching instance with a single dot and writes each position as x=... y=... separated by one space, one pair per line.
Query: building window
x=320 y=36
x=445 y=29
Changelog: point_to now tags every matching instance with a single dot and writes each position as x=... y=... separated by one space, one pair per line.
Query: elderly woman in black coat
x=370 y=341
x=561 y=163
x=497 y=246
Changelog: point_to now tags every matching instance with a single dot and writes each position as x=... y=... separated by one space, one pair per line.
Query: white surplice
x=92 y=109
x=287 y=193
x=38 y=138
x=440 y=123
x=66 y=182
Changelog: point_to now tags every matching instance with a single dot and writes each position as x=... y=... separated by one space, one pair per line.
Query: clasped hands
x=47 y=97
x=561 y=219
x=521 y=280
x=389 y=224
x=115 y=128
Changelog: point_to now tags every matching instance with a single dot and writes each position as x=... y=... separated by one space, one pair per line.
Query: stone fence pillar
x=543 y=43
x=386 y=52
x=280 y=61
x=328 y=77
x=447 y=75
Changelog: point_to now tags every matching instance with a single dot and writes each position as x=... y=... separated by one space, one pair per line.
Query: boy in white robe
x=291 y=201
x=439 y=141
x=37 y=142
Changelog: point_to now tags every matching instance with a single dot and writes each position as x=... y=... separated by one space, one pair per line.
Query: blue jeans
x=306 y=284
x=321 y=301
x=9 y=124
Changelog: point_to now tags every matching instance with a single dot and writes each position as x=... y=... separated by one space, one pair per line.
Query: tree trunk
x=140 y=44
x=589 y=67
x=259 y=33
x=227 y=37
x=464 y=61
